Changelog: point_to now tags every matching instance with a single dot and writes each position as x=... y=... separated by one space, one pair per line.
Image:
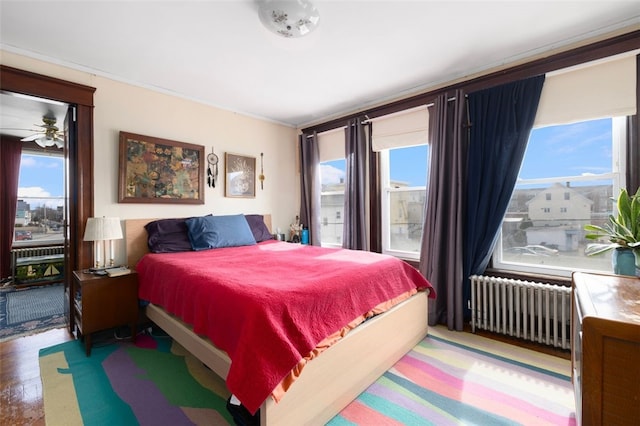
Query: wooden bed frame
x=329 y=382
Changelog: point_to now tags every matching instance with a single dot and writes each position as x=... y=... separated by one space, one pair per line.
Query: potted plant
x=622 y=231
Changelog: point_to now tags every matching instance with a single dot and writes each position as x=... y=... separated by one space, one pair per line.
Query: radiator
x=532 y=311
x=34 y=264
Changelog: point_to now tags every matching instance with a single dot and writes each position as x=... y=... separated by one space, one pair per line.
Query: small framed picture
x=240 y=176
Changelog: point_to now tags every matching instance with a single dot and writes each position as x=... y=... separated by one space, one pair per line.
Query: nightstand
x=103 y=302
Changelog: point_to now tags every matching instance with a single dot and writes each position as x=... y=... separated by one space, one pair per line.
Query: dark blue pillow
x=168 y=236
x=219 y=231
x=258 y=227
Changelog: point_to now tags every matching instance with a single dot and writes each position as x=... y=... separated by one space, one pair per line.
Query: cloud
x=37 y=196
x=576 y=137
x=28 y=161
x=40 y=162
x=330 y=174
x=33 y=192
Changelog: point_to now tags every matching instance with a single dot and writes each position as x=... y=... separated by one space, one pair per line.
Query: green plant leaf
x=622 y=230
x=593 y=249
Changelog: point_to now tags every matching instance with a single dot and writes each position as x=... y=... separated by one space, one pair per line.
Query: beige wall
x=124 y=107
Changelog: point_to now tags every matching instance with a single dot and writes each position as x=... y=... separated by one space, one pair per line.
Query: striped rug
x=448 y=379
x=454 y=378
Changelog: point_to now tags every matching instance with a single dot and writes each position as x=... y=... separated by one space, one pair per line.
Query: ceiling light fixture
x=50 y=136
x=47 y=141
x=289 y=18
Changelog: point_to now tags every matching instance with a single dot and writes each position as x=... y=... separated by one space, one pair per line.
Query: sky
x=41 y=176
x=567 y=150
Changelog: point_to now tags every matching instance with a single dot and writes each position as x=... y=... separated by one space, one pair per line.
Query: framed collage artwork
x=155 y=170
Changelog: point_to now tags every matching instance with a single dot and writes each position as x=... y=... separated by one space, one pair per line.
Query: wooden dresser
x=605 y=351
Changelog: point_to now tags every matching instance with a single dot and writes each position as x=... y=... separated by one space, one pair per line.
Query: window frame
x=385 y=205
x=338 y=213
x=29 y=200
x=617 y=177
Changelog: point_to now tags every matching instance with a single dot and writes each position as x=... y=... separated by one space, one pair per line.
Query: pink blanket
x=269 y=305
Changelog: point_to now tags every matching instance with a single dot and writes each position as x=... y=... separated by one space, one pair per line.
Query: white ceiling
x=363 y=53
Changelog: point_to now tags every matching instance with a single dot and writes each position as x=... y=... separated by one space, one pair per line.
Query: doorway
x=78 y=156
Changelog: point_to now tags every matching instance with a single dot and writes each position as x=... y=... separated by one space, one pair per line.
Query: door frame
x=79 y=157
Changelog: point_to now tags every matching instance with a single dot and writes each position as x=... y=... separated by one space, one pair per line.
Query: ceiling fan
x=50 y=135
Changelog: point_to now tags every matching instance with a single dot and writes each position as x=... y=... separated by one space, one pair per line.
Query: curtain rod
x=368 y=120
x=428 y=105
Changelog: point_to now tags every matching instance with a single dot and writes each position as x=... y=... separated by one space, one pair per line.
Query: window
x=40 y=207
x=578 y=167
x=404 y=177
x=332 y=176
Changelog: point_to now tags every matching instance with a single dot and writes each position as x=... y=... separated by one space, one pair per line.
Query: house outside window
x=404 y=175
x=568 y=177
x=40 y=206
x=332 y=177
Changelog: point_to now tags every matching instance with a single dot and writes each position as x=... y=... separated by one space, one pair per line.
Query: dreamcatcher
x=212 y=169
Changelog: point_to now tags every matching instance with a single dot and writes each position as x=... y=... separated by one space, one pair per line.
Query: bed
x=328 y=382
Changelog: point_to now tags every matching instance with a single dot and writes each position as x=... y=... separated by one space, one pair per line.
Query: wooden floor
x=21 y=389
x=20 y=385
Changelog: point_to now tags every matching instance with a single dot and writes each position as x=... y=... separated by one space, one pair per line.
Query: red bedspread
x=270 y=304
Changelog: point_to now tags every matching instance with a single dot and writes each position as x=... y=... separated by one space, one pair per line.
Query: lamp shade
x=103 y=228
x=289 y=18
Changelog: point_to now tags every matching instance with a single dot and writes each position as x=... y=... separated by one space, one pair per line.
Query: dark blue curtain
x=501 y=119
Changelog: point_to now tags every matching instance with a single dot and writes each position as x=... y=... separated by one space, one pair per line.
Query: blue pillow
x=219 y=231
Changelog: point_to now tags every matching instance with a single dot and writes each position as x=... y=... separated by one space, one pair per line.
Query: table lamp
x=102 y=231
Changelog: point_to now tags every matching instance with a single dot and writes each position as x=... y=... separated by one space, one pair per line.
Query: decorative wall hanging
x=261 y=177
x=212 y=169
x=154 y=170
x=240 y=176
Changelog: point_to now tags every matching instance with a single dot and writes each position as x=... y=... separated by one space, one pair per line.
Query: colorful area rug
x=449 y=378
x=31 y=310
x=454 y=378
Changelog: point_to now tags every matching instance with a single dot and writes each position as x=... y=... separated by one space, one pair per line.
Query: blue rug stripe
x=501 y=358
x=403 y=397
x=392 y=410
